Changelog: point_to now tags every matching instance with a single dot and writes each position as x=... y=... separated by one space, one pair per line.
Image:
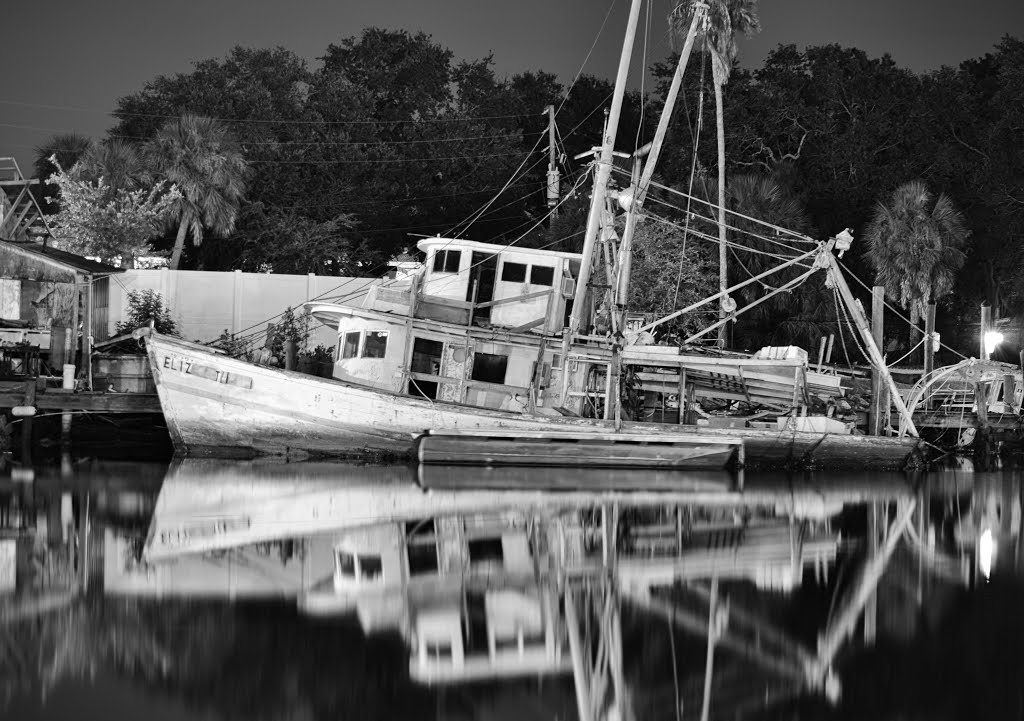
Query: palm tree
x=121 y=164
x=68 y=147
x=725 y=18
x=764 y=198
x=201 y=157
x=915 y=243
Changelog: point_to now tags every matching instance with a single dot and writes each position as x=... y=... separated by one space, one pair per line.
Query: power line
x=119 y=115
x=379 y=160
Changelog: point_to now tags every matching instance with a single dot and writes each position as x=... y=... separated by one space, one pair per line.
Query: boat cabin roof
x=428 y=244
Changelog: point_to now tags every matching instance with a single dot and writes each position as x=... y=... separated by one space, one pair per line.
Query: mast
x=604 y=171
x=641 y=184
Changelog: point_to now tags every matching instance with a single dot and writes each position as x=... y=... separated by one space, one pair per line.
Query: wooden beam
x=98 y=402
x=516 y=299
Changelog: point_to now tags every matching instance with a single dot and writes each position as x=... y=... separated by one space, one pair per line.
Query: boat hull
x=218 y=406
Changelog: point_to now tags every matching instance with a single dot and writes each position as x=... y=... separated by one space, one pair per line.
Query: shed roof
x=56 y=258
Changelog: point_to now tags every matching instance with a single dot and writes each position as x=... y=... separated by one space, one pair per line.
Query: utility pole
x=554 y=189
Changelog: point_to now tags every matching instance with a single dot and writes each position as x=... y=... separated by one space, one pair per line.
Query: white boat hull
x=219 y=406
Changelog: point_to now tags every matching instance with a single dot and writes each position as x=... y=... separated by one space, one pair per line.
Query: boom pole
x=864 y=328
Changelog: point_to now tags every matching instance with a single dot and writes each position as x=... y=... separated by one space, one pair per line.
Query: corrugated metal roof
x=63 y=258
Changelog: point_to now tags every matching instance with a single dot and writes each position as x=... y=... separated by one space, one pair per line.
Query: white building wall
x=204 y=304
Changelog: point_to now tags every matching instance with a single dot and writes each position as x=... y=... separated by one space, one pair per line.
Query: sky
x=65 y=62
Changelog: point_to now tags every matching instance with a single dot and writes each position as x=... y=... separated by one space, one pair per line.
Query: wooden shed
x=44 y=294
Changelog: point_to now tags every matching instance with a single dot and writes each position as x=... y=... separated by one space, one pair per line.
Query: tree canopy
x=389 y=136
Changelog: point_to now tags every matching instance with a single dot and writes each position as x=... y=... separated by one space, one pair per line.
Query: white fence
x=204 y=304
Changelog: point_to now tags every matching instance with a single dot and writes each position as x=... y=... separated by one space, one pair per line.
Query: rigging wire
x=896 y=312
x=693 y=172
x=729 y=244
x=643 y=78
x=587 y=58
x=475 y=215
x=795 y=237
x=690 y=214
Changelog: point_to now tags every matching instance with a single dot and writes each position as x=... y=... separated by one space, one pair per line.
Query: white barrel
x=69 y=377
x=23 y=411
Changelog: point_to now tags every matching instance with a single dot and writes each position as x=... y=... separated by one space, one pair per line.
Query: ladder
x=21 y=218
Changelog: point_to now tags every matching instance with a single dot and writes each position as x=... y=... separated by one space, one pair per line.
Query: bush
x=145 y=306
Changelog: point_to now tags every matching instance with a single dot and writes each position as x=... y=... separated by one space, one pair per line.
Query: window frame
x=344 y=342
x=551 y=280
x=506 y=265
x=476 y=356
x=442 y=260
x=366 y=336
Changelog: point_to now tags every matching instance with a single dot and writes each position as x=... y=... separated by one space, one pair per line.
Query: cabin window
x=489 y=368
x=486 y=549
x=376 y=344
x=362 y=567
x=371 y=568
x=542 y=275
x=438 y=651
x=447 y=261
x=513 y=273
x=421 y=547
x=346 y=563
x=350 y=346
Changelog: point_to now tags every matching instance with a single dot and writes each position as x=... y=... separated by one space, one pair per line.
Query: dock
x=26 y=394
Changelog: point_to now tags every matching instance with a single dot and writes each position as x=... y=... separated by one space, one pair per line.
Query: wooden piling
x=929 y=347
x=879 y=410
x=26 y=423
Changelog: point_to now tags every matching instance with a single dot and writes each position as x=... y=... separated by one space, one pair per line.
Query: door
x=426 y=358
x=483 y=269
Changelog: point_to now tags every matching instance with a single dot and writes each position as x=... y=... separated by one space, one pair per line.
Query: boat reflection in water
x=491 y=573
x=496 y=574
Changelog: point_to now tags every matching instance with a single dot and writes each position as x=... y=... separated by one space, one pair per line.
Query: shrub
x=145 y=306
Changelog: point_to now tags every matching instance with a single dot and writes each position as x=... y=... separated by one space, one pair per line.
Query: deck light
x=992 y=339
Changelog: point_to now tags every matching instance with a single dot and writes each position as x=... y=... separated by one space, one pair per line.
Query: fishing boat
x=485 y=341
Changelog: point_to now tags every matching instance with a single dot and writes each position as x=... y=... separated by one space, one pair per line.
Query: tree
x=284 y=241
x=915 y=244
x=67 y=148
x=98 y=220
x=119 y=163
x=763 y=198
x=202 y=159
x=670 y=271
x=725 y=19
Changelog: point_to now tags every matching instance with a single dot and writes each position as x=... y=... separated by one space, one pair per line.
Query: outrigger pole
x=861 y=321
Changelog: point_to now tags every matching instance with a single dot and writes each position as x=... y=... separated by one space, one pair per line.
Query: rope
x=907 y=354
